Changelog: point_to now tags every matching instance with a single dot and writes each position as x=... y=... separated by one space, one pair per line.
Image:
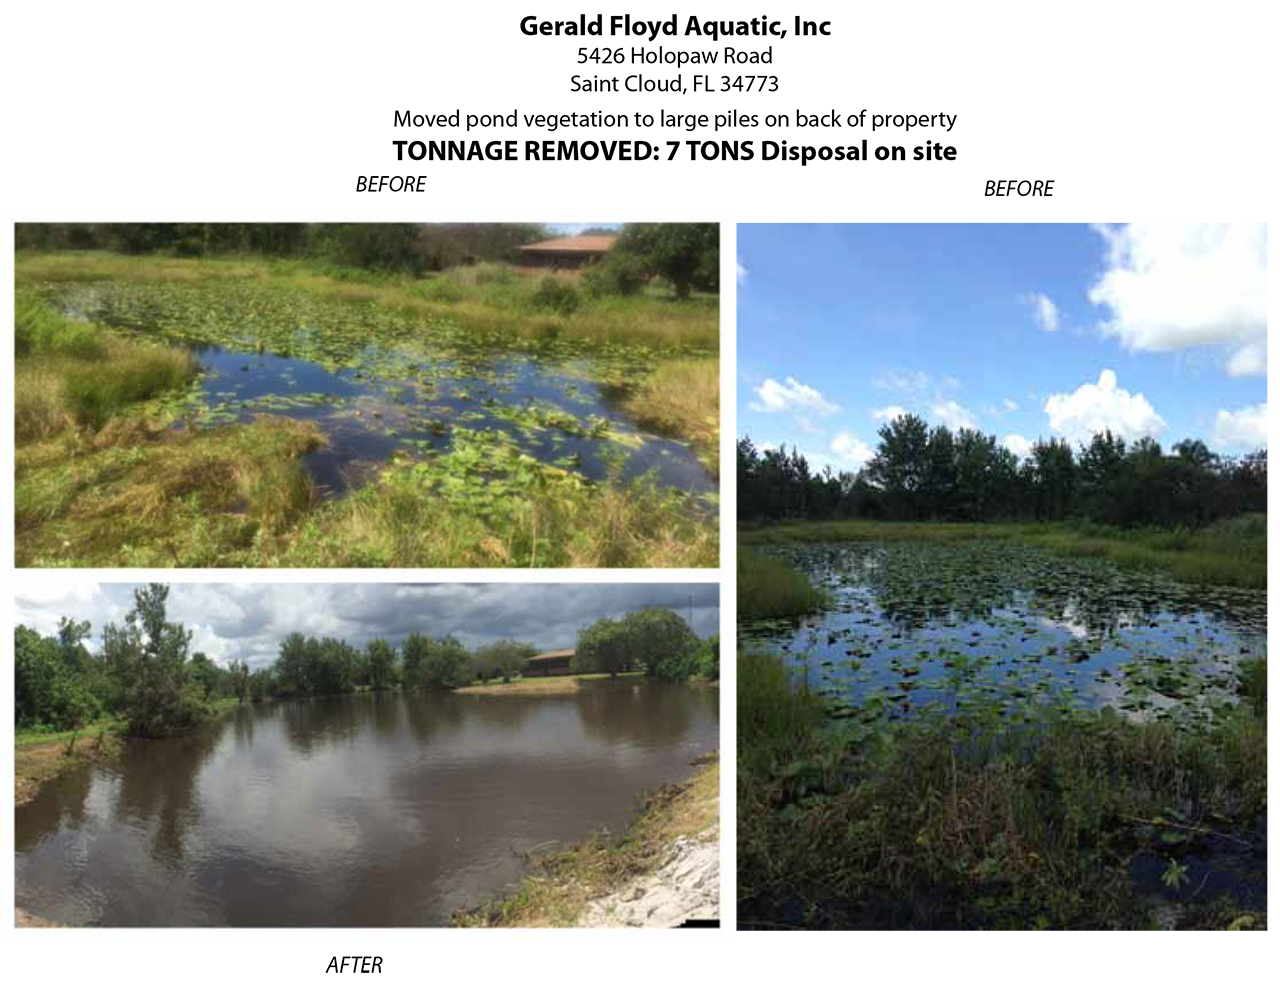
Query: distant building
x=558 y=662
x=566 y=253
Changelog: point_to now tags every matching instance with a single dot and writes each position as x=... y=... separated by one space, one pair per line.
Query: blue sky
x=1022 y=331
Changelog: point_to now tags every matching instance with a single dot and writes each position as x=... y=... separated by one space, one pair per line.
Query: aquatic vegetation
x=1074 y=822
x=402 y=405
x=924 y=628
x=681 y=398
x=1224 y=553
x=982 y=734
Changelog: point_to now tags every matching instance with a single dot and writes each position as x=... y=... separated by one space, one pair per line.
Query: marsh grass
x=1226 y=553
x=70 y=373
x=479 y=297
x=551 y=523
x=959 y=822
x=135 y=494
x=768 y=588
x=681 y=399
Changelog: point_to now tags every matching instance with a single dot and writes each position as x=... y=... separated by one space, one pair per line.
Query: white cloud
x=889 y=413
x=742 y=273
x=1173 y=287
x=955 y=416
x=1043 y=311
x=1010 y=406
x=1243 y=428
x=851 y=450
x=777 y=398
x=912 y=382
x=1018 y=444
x=1105 y=406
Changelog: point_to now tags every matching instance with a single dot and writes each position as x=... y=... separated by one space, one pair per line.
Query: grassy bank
x=40 y=756
x=681 y=399
x=768 y=588
x=1226 y=553
x=479 y=297
x=534 y=686
x=1085 y=820
x=561 y=885
x=102 y=481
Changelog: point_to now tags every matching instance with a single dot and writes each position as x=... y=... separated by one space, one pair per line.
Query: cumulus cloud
x=1010 y=406
x=1173 y=287
x=911 y=382
x=953 y=415
x=775 y=397
x=1018 y=444
x=1093 y=408
x=742 y=273
x=852 y=451
x=1243 y=428
x=1043 y=311
x=888 y=414
x=249 y=621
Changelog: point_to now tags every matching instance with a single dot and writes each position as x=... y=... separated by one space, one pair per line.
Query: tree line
x=685 y=254
x=920 y=472
x=146 y=676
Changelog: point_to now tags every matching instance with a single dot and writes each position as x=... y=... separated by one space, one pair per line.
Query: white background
x=150 y=117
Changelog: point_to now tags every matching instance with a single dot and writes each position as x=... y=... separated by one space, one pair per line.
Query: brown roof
x=574 y=244
x=554 y=654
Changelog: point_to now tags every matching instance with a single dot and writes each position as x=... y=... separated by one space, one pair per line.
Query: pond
x=369 y=810
x=385 y=387
x=925 y=628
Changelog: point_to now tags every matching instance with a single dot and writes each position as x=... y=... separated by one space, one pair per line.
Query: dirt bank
x=663 y=870
x=34 y=764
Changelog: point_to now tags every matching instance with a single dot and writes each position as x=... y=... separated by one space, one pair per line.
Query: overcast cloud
x=248 y=621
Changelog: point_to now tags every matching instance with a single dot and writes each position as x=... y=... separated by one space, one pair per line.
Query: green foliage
x=502 y=660
x=555 y=295
x=148 y=657
x=619 y=274
x=380 y=659
x=768 y=588
x=918 y=473
x=655 y=639
x=434 y=663
x=685 y=254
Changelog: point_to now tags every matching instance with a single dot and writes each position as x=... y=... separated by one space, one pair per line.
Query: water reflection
x=375 y=810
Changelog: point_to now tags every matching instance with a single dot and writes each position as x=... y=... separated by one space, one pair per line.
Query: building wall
x=554 y=667
x=565 y=261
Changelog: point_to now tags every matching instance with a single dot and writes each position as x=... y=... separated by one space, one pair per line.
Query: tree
x=148 y=656
x=239 y=679
x=380 y=659
x=686 y=254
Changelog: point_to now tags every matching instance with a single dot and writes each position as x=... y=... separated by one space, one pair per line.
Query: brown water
x=368 y=810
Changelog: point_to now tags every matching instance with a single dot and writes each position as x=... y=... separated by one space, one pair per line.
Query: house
x=558 y=662
x=567 y=252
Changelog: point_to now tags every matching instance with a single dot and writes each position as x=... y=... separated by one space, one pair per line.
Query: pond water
x=377 y=810
x=384 y=387
x=917 y=628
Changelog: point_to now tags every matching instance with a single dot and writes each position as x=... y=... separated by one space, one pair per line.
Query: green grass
x=1227 y=553
x=73 y=375
x=101 y=481
x=961 y=823
x=681 y=399
x=768 y=588
x=480 y=297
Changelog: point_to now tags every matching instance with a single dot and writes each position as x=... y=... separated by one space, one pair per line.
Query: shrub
x=557 y=296
x=617 y=274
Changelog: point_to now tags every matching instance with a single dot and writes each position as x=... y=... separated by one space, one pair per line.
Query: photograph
x=381 y=754
x=366 y=395
x=1002 y=576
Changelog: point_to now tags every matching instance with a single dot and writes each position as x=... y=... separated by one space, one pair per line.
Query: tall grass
x=681 y=399
x=481 y=297
x=1226 y=553
x=70 y=373
x=767 y=588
